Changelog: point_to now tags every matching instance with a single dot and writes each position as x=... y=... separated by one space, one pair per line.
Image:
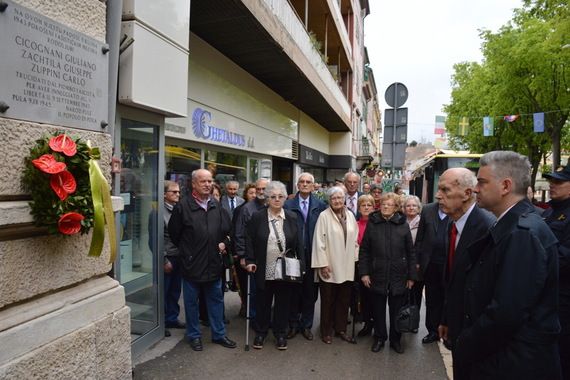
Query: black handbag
x=287 y=266
x=408 y=318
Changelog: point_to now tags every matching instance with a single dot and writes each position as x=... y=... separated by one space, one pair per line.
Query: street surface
x=172 y=358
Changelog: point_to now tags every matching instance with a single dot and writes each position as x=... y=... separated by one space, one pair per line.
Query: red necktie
x=452 y=240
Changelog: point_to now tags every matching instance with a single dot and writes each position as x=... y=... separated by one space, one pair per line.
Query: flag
x=463 y=126
x=511 y=118
x=439 y=143
x=488 y=129
x=439 y=125
x=538 y=119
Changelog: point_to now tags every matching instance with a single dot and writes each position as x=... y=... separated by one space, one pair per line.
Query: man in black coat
x=510 y=318
x=307 y=207
x=199 y=227
x=456 y=198
x=558 y=219
x=430 y=253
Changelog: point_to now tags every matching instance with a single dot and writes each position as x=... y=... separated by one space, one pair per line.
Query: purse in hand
x=286 y=268
x=408 y=317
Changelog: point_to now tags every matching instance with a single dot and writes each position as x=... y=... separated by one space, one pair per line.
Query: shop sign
x=202 y=129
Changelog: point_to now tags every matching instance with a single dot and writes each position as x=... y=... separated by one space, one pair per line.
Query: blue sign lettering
x=202 y=129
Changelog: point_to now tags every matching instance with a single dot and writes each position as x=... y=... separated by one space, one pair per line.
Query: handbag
x=408 y=317
x=286 y=268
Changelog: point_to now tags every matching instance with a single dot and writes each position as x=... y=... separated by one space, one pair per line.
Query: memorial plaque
x=51 y=73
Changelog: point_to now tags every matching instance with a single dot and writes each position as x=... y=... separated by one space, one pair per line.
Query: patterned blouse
x=273 y=251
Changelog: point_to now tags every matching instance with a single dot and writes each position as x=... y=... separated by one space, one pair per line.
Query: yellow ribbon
x=102 y=212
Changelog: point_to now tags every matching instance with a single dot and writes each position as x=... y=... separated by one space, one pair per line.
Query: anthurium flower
x=70 y=223
x=63 y=143
x=63 y=183
x=48 y=164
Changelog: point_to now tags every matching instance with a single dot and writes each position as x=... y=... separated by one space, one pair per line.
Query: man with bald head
x=456 y=198
x=199 y=227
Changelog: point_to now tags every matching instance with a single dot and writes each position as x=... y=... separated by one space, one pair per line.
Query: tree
x=524 y=70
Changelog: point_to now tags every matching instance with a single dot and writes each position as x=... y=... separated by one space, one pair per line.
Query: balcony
x=267 y=39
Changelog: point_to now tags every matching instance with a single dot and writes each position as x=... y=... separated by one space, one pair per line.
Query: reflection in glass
x=180 y=163
x=226 y=167
x=139 y=188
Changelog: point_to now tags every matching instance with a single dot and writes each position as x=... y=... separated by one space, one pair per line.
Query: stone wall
x=61 y=316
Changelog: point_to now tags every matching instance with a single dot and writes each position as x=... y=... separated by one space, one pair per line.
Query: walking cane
x=246 y=348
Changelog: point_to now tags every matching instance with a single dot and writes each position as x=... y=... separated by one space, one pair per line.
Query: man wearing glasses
x=172 y=275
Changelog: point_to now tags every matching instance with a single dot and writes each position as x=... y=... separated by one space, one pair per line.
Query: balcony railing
x=295 y=28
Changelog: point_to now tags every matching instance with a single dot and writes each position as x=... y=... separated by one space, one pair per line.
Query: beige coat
x=329 y=248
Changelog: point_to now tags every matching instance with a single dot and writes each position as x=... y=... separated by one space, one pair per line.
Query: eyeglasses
x=274 y=197
x=174 y=191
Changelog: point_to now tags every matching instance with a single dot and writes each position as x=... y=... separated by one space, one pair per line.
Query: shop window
x=180 y=163
x=226 y=167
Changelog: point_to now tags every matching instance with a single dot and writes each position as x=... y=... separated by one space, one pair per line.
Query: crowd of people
x=493 y=270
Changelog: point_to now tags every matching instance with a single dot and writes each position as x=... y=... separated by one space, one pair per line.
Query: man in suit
x=510 y=317
x=231 y=200
x=307 y=207
x=430 y=252
x=456 y=198
x=351 y=181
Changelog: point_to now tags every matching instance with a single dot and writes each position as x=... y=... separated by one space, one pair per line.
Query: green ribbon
x=102 y=212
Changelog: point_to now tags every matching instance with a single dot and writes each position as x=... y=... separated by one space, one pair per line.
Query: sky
x=417 y=42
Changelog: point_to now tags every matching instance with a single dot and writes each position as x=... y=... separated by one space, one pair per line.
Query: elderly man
x=308 y=208
x=199 y=227
x=351 y=181
x=558 y=219
x=456 y=198
x=510 y=318
x=231 y=200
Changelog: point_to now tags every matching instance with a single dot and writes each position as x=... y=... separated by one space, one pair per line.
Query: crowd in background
x=366 y=254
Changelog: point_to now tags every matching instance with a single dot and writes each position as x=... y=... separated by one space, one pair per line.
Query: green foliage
x=525 y=70
x=46 y=207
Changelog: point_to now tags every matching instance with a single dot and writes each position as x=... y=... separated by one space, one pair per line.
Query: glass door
x=138 y=265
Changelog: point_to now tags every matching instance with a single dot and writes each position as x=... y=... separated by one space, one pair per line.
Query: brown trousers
x=335 y=300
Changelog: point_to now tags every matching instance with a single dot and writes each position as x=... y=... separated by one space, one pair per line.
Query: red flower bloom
x=48 y=164
x=63 y=143
x=63 y=183
x=70 y=223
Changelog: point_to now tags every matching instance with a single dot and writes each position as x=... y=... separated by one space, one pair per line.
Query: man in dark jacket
x=430 y=253
x=172 y=265
x=307 y=207
x=456 y=198
x=199 y=227
x=558 y=219
x=510 y=321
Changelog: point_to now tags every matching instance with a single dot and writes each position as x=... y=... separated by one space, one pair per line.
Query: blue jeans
x=172 y=290
x=215 y=303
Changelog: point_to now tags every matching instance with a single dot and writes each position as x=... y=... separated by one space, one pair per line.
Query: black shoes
x=397 y=346
x=377 y=345
x=430 y=338
x=167 y=333
x=292 y=333
x=196 y=344
x=258 y=342
x=175 y=325
x=366 y=330
x=281 y=343
x=307 y=334
x=225 y=342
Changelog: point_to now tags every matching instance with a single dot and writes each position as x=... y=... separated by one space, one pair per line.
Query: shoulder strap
x=279 y=244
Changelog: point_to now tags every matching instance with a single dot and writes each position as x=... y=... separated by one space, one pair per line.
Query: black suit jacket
x=476 y=226
x=256 y=242
x=426 y=235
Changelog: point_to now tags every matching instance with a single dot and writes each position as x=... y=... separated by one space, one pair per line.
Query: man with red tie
x=456 y=198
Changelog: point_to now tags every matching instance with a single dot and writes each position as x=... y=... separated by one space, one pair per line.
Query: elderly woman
x=387 y=267
x=365 y=208
x=412 y=208
x=271 y=232
x=376 y=192
x=334 y=254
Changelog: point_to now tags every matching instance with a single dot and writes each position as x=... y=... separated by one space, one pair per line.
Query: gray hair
x=232 y=182
x=414 y=199
x=334 y=190
x=509 y=164
x=347 y=174
x=168 y=184
x=306 y=174
x=276 y=186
